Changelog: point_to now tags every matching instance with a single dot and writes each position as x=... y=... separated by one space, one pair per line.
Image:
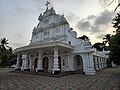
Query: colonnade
x=99 y=62
x=26 y=62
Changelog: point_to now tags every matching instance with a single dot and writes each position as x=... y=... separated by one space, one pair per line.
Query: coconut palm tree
x=4 y=52
x=107 y=39
x=4 y=57
x=109 y=2
x=4 y=43
x=117 y=5
x=116 y=22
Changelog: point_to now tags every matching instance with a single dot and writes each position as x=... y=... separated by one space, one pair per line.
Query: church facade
x=55 y=48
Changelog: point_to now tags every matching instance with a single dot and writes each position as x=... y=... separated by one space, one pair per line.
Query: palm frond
x=117 y=7
x=111 y=2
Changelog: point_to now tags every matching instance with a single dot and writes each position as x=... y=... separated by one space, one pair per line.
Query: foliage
x=107 y=39
x=83 y=37
x=99 y=46
x=116 y=22
x=4 y=43
x=115 y=49
x=107 y=3
x=6 y=55
x=115 y=41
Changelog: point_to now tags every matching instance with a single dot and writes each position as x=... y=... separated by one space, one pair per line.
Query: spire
x=47 y=5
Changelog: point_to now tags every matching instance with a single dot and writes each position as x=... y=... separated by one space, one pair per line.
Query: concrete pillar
x=55 y=69
x=102 y=62
x=96 y=63
x=39 y=64
x=30 y=63
x=105 y=62
x=18 y=67
x=90 y=70
x=99 y=61
x=25 y=63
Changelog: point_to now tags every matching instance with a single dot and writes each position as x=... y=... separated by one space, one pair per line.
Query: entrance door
x=45 y=64
x=78 y=62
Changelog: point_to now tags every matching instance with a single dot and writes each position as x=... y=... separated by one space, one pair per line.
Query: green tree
x=116 y=22
x=115 y=41
x=83 y=37
x=4 y=57
x=107 y=39
x=115 y=49
x=99 y=46
x=107 y=3
x=4 y=43
x=5 y=52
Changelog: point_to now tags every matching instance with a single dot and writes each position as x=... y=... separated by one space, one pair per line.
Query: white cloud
x=84 y=24
x=104 y=18
x=23 y=11
x=96 y=24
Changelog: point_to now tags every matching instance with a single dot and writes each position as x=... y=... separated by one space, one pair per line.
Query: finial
x=47 y=5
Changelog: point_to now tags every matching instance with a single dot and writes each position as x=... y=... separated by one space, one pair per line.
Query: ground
x=106 y=79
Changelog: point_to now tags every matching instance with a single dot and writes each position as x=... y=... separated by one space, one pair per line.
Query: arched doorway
x=59 y=62
x=78 y=62
x=45 y=64
x=35 y=63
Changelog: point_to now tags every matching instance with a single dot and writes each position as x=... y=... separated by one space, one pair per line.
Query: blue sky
x=87 y=17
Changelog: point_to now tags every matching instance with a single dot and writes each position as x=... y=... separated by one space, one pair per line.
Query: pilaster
x=90 y=70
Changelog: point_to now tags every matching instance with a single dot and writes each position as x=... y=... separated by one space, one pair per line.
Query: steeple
x=47 y=5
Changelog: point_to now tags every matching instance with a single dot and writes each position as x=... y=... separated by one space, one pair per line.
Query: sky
x=87 y=17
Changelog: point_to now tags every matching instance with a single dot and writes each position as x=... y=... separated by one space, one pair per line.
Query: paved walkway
x=106 y=79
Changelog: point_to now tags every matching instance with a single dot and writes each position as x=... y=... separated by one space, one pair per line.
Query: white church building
x=55 y=48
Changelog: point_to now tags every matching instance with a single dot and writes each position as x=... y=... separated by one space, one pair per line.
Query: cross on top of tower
x=47 y=5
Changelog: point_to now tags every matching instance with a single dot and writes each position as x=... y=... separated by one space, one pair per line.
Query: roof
x=44 y=45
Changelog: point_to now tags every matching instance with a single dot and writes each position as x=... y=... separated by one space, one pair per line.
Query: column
x=18 y=67
x=90 y=70
x=22 y=68
x=99 y=63
x=30 y=63
x=25 y=63
x=39 y=64
x=102 y=62
x=55 y=69
x=96 y=61
x=105 y=62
